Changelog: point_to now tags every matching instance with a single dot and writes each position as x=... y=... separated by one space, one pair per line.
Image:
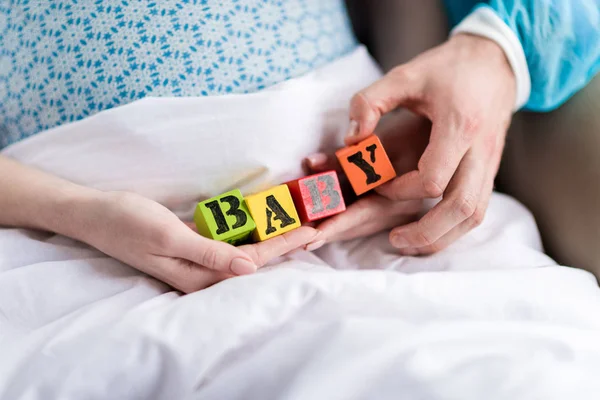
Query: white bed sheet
x=490 y=318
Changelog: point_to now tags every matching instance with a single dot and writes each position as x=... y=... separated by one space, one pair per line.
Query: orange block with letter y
x=366 y=164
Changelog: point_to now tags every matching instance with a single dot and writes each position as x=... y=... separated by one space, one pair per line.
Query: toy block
x=224 y=218
x=273 y=212
x=366 y=164
x=317 y=196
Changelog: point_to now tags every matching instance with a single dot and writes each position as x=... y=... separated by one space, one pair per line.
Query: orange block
x=366 y=164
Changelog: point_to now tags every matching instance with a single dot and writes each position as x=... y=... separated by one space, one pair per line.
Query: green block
x=241 y=239
x=224 y=218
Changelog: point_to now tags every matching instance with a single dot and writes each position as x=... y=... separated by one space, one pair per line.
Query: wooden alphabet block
x=317 y=196
x=273 y=211
x=224 y=218
x=366 y=164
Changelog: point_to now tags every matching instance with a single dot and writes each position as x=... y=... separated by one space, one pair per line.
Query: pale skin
x=132 y=229
x=467 y=89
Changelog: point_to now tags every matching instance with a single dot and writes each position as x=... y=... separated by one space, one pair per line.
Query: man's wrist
x=484 y=22
x=490 y=51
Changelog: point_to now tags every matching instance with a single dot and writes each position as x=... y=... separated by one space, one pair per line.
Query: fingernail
x=409 y=252
x=316 y=159
x=352 y=128
x=314 y=245
x=241 y=266
x=399 y=242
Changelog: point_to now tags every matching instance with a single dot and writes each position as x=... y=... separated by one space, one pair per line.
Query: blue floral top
x=63 y=60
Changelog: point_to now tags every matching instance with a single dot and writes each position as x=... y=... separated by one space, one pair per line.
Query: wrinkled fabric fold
x=350 y=321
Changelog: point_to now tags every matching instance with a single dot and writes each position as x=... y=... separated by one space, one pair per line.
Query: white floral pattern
x=61 y=61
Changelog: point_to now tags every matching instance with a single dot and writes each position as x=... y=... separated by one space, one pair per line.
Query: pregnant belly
x=63 y=61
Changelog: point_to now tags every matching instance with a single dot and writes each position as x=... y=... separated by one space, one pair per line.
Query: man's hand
x=466 y=88
x=404 y=136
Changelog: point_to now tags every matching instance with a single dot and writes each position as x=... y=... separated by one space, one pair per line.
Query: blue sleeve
x=560 y=38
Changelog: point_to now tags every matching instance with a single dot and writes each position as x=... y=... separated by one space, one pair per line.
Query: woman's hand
x=131 y=228
x=149 y=237
x=466 y=88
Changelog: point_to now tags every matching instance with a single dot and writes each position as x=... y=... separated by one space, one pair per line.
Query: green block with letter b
x=224 y=218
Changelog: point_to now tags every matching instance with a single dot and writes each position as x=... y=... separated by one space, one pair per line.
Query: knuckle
x=389 y=192
x=491 y=143
x=257 y=255
x=433 y=181
x=250 y=251
x=437 y=247
x=477 y=217
x=432 y=249
x=424 y=237
x=358 y=99
x=256 y=252
x=433 y=186
x=360 y=103
x=402 y=73
x=285 y=242
x=465 y=205
x=469 y=124
x=209 y=257
x=364 y=107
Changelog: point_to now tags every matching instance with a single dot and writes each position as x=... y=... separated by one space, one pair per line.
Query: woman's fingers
x=212 y=254
x=184 y=275
x=263 y=252
x=189 y=276
x=242 y=260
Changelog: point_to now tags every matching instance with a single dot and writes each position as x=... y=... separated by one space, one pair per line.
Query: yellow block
x=273 y=212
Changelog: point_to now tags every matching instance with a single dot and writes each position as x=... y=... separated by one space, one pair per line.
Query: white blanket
x=490 y=318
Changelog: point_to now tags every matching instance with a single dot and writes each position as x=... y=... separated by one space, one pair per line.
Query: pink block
x=317 y=196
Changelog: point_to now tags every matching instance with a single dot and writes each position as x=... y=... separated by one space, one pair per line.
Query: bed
x=492 y=317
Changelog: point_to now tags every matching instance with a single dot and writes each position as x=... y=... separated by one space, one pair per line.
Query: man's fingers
x=398 y=87
x=263 y=252
x=404 y=187
x=372 y=227
x=458 y=204
x=447 y=147
x=457 y=232
x=448 y=144
x=320 y=162
x=484 y=149
x=212 y=254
